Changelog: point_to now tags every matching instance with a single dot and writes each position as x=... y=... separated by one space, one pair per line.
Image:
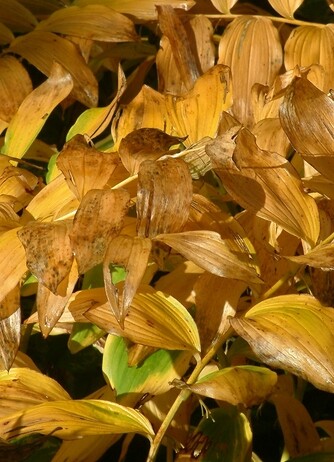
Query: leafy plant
x=180 y=222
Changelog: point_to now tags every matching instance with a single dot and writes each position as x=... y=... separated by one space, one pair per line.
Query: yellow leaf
x=42 y=49
x=286 y=8
x=247 y=385
x=6 y=35
x=265 y=183
x=160 y=207
x=10 y=337
x=34 y=111
x=223 y=6
x=16 y=16
x=321 y=256
x=197 y=113
x=251 y=47
x=294 y=333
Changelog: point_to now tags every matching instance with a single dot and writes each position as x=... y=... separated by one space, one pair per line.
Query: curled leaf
x=10 y=336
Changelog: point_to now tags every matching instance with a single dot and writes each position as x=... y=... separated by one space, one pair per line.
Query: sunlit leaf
x=265 y=183
x=153 y=375
x=73 y=419
x=224 y=6
x=197 y=113
x=247 y=385
x=42 y=49
x=84 y=167
x=10 y=336
x=83 y=335
x=294 y=333
x=286 y=8
x=34 y=111
x=16 y=16
x=270 y=136
x=210 y=252
x=160 y=207
x=132 y=253
x=99 y=218
x=251 y=47
x=10 y=303
x=154 y=319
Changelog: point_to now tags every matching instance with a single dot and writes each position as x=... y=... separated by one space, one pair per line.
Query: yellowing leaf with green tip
x=34 y=111
x=154 y=319
x=73 y=419
x=153 y=375
x=294 y=333
x=247 y=385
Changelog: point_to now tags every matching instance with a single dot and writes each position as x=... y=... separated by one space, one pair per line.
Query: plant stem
x=294 y=22
x=183 y=396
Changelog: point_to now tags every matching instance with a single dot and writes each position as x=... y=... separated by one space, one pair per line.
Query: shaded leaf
x=321 y=256
x=34 y=111
x=99 y=218
x=10 y=336
x=6 y=35
x=16 y=16
x=154 y=319
x=265 y=183
x=315 y=457
x=93 y=22
x=294 y=333
x=224 y=6
x=73 y=419
x=197 y=113
x=10 y=303
x=153 y=375
x=42 y=49
x=132 y=253
x=48 y=250
x=160 y=207
x=247 y=385
x=210 y=252
x=84 y=167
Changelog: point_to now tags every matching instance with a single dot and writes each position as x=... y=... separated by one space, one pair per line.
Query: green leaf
x=83 y=335
x=152 y=375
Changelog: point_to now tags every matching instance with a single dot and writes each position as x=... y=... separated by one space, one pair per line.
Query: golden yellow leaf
x=94 y=22
x=210 y=252
x=308 y=45
x=84 y=167
x=16 y=16
x=99 y=218
x=247 y=385
x=161 y=208
x=251 y=47
x=265 y=183
x=224 y=6
x=6 y=35
x=132 y=253
x=17 y=183
x=34 y=111
x=286 y=8
x=8 y=218
x=10 y=303
x=10 y=336
x=294 y=333
x=48 y=250
x=321 y=256
x=270 y=136
x=197 y=113
x=42 y=49
x=15 y=85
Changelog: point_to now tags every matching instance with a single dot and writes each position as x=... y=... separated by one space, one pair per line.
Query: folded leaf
x=294 y=333
x=10 y=336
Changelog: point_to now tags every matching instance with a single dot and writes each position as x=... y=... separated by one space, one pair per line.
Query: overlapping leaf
x=321 y=256
x=16 y=16
x=265 y=183
x=294 y=333
x=10 y=336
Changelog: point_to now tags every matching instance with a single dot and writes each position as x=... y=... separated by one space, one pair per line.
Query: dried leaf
x=48 y=250
x=99 y=218
x=286 y=8
x=270 y=136
x=294 y=333
x=73 y=419
x=132 y=253
x=93 y=22
x=247 y=385
x=16 y=16
x=144 y=144
x=321 y=256
x=210 y=252
x=154 y=319
x=309 y=45
x=42 y=49
x=84 y=167
x=196 y=158
x=34 y=111
x=10 y=303
x=197 y=113
x=265 y=183
x=251 y=47
x=10 y=336
x=160 y=207
x=15 y=85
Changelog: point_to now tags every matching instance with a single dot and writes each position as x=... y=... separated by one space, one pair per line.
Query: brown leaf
x=10 y=336
x=94 y=22
x=161 y=206
x=99 y=218
x=42 y=49
x=144 y=144
x=132 y=253
x=84 y=167
x=265 y=183
x=251 y=48
x=48 y=250
x=10 y=303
